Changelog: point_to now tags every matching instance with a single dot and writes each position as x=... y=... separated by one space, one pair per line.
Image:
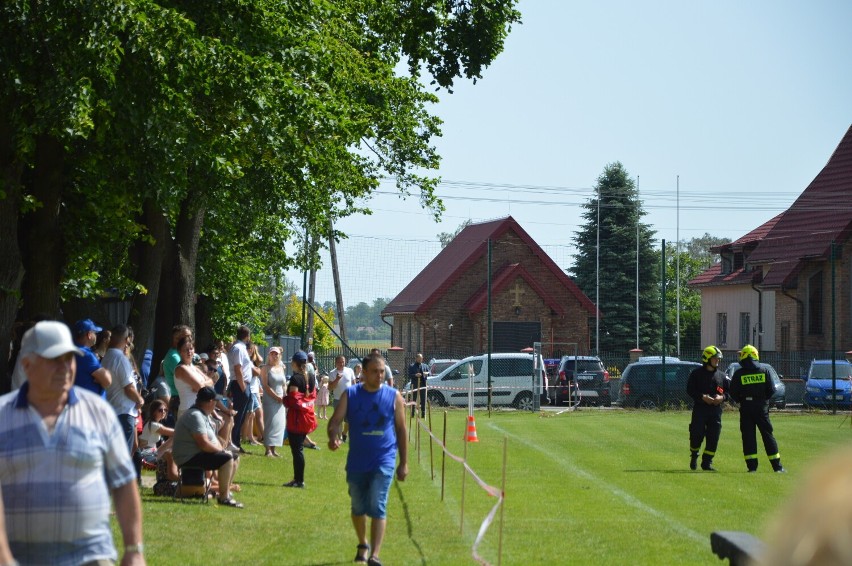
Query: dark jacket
x=416 y=368
x=751 y=383
x=703 y=381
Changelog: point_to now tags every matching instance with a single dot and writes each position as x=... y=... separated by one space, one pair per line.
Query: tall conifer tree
x=620 y=210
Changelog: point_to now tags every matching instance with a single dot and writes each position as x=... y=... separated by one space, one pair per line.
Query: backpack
x=301 y=418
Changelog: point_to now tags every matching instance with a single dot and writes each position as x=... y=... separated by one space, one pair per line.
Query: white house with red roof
x=773 y=286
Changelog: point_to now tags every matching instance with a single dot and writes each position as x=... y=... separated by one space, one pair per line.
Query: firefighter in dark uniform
x=706 y=386
x=752 y=388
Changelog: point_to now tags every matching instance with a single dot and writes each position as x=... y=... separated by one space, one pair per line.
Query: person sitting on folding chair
x=196 y=445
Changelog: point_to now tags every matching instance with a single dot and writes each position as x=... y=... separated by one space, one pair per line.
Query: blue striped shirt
x=57 y=486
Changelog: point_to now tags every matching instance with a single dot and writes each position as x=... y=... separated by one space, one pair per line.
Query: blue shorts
x=369 y=492
x=253 y=403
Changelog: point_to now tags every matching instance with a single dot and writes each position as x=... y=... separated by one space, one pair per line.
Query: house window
x=727 y=264
x=722 y=329
x=785 y=336
x=815 y=303
x=738 y=261
x=745 y=328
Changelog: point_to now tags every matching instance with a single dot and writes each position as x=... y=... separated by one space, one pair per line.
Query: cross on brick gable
x=517 y=291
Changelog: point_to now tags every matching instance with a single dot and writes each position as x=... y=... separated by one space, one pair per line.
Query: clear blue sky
x=744 y=100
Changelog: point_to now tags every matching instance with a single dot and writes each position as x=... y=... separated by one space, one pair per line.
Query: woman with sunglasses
x=158 y=454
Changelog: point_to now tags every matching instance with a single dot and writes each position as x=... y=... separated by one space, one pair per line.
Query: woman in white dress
x=273 y=378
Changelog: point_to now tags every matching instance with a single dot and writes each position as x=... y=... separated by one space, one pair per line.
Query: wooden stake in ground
x=417 y=422
x=431 y=444
x=464 y=478
x=444 y=459
x=410 y=416
x=502 y=503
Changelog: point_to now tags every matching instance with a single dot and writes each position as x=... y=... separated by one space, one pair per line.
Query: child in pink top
x=322 y=398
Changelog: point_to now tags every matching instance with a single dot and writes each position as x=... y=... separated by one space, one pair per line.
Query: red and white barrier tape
x=489 y=489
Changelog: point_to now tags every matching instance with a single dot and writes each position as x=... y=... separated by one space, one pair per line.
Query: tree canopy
x=167 y=152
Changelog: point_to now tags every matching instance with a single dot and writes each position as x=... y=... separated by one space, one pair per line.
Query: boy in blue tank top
x=376 y=417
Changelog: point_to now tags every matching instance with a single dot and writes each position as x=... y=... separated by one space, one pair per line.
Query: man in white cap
x=62 y=453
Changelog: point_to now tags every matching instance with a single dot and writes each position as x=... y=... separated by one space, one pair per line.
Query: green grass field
x=588 y=487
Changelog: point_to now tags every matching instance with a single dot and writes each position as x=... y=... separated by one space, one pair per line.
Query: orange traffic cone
x=471 y=429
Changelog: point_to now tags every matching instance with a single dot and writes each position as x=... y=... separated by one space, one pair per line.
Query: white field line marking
x=616 y=491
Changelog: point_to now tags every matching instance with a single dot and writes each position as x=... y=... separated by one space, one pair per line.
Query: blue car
x=818 y=391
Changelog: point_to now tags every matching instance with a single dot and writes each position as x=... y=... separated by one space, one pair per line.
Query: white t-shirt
x=122 y=375
x=347 y=378
x=238 y=356
x=255 y=383
x=226 y=368
x=150 y=435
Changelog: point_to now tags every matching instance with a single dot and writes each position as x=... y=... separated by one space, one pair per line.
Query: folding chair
x=192 y=484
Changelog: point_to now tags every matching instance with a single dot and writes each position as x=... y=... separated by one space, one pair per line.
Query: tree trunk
x=149 y=261
x=11 y=265
x=187 y=237
x=176 y=301
x=41 y=237
x=203 y=329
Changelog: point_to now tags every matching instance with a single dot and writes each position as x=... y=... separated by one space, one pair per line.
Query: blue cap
x=85 y=325
x=300 y=357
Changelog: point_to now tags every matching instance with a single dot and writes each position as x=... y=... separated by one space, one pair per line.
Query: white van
x=512 y=378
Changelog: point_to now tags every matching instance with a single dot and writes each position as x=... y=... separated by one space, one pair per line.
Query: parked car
x=511 y=380
x=778 y=399
x=642 y=383
x=586 y=376
x=818 y=391
x=437 y=366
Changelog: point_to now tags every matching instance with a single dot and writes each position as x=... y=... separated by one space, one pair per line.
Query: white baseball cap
x=49 y=339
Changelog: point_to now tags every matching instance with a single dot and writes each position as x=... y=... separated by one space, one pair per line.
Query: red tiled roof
x=754 y=236
x=713 y=277
x=501 y=280
x=821 y=214
x=459 y=255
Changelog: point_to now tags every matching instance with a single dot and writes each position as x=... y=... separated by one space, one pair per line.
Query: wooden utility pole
x=338 y=292
x=312 y=290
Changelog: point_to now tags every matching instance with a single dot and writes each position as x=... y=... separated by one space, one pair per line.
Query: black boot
x=693 y=460
x=777 y=467
x=707 y=463
x=752 y=465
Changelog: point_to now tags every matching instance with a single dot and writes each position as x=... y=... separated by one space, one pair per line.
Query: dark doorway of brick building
x=515 y=336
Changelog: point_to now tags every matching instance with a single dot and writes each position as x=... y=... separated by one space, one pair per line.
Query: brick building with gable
x=443 y=310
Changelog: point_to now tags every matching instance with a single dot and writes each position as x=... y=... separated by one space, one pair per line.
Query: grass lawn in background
x=587 y=487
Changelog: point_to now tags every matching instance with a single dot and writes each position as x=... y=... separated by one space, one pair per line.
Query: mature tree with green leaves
x=699 y=248
x=690 y=298
x=366 y=322
x=149 y=146
x=323 y=338
x=620 y=213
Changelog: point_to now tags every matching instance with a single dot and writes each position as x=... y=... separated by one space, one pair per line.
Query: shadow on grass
x=408 y=526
